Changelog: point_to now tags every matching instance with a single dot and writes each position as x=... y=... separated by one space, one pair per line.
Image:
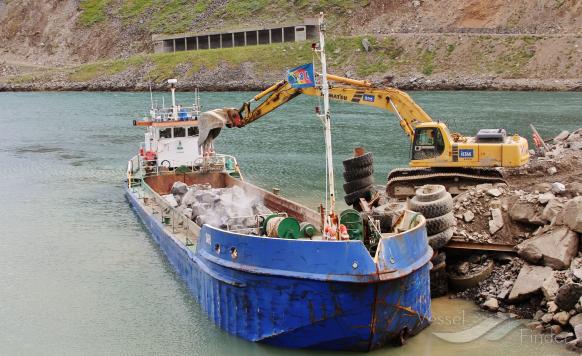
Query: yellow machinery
x=437 y=155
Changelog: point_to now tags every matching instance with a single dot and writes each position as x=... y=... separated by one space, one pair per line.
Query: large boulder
x=576 y=267
x=552 y=209
x=554 y=248
x=574 y=345
x=562 y=136
x=561 y=318
x=529 y=281
x=179 y=188
x=525 y=212
x=550 y=287
x=189 y=198
x=171 y=200
x=576 y=320
x=573 y=214
x=568 y=295
x=496 y=222
x=546 y=197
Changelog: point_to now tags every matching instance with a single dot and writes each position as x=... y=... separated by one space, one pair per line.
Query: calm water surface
x=79 y=274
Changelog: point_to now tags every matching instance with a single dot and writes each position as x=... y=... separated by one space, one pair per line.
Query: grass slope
x=174 y=16
x=389 y=55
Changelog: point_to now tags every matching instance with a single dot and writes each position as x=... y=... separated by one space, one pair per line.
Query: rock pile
x=232 y=208
x=540 y=213
x=560 y=161
x=497 y=214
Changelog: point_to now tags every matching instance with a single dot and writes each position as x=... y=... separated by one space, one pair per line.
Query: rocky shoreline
x=258 y=85
x=246 y=77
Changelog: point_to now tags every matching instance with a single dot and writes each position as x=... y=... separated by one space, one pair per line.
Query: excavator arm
x=398 y=102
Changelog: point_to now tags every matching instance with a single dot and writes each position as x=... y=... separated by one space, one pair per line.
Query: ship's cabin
x=171 y=144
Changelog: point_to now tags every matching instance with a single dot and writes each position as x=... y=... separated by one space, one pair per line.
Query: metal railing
x=216 y=163
x=176 y=218
x=167 y=114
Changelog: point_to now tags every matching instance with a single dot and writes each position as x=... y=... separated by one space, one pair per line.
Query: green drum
x=307 y=230
x=354 y=223
x=283 y=227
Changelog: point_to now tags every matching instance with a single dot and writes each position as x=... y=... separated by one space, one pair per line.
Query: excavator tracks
x=403 y=182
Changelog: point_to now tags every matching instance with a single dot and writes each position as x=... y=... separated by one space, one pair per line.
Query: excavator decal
x=368 y=97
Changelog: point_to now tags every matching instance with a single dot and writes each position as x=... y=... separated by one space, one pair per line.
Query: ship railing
x=184 y=113
x=169 y=215
x=218 y=163
x=214 y=163
x=133 y=171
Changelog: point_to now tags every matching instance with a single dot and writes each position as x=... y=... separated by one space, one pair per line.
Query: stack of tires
x=436 y=204
x=359 y=179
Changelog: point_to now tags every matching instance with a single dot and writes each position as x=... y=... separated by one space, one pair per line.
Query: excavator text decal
x=466 y=153
x=338 y=97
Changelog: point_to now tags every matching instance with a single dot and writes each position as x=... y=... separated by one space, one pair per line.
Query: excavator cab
x=428 y=143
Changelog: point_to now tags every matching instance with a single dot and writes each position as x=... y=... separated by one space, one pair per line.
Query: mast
x=330 y=219
x=151 y=98
x=172 y=83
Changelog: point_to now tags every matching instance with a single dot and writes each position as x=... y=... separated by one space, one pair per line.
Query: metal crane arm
x=349 y=90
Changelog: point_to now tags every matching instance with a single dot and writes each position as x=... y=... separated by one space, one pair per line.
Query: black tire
x=439 y=281
x=357 y=173
x=385 y=222
x=354 y=197
x=430 y=192
x=438 y=258
x=358 y=184
x=432 y=209
x=440 y=223
x=440 y=240
x=364 y=160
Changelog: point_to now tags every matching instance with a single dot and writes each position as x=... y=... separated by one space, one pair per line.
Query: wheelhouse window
x=192 y=131
x=179 y=132
x=166 y=133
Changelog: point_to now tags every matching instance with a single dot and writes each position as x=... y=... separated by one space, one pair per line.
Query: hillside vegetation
x=174 y=16
x=86 y=43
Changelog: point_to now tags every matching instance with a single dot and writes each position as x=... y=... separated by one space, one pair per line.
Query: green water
x=79 y=274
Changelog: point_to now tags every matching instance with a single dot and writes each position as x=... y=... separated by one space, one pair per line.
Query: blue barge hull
x=304 y=293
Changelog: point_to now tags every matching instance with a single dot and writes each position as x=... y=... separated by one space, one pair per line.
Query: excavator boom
x=358 y=92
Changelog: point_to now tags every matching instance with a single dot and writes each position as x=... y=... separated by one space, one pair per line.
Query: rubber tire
x=355 y=196
x=440 y=223
x=358 y=184
x=439 y=281
x=364 y=160
x=353 y=174
x=438 y=258
x=434 y=208
x=385 y=222
x=422 y=195
x=440 y=240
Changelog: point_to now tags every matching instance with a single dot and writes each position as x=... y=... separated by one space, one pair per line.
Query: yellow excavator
x=437 y=155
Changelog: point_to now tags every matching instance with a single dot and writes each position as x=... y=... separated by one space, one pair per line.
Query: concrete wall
x=190 y=42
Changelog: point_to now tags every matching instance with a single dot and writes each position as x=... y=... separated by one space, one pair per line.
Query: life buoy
x=150 y=155
x=165 y=163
